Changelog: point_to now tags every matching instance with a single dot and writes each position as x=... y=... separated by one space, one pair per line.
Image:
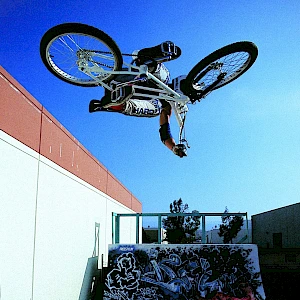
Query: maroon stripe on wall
x=25 y=119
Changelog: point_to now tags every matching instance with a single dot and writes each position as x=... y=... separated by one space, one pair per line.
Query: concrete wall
x=53 y=191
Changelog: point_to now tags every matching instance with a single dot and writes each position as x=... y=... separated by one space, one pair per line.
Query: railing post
x=159 y=229
x=137 y=234
x=113 y=227
x=203 y=238
x=117 y=230
x=248 y=237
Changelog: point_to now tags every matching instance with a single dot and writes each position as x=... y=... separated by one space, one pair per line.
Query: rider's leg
x=132 y=107
x=142 y=108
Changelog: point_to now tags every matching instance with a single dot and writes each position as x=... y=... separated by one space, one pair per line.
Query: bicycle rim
x=232 y=65
x=63 y=51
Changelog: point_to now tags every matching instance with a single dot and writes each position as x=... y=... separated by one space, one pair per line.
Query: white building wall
x=47 y=222
x=18 y=181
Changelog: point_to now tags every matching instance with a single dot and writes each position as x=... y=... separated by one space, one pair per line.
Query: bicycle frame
x=175 y=97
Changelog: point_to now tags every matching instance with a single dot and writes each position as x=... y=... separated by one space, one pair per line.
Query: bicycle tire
x=61 y=44
x=242 y=53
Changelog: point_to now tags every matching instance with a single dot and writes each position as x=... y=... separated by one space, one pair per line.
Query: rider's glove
x=180 y=150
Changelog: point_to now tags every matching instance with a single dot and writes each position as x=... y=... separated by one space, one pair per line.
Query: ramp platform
x=190 y=271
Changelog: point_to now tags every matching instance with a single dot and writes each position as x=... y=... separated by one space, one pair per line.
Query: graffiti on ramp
x=215 y=272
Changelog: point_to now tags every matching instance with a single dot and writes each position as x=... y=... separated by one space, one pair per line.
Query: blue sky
x=244 y=138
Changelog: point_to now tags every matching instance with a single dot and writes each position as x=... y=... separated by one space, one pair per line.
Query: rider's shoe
x=180 y=150
x=95 y=105
x=164 y=52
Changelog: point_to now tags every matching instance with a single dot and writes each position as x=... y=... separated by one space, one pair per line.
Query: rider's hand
x=180 y=150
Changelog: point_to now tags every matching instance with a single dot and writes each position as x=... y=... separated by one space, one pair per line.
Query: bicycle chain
x=108 y=52
x=123 y=54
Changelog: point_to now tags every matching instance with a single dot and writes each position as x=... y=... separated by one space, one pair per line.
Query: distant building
x=151 y=235
x=277 y=235
x=212 y=236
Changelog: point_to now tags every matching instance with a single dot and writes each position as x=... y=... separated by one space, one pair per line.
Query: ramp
x=165 y=271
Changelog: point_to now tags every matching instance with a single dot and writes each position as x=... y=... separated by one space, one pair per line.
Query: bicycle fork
x=208 y=89
x=180 y=114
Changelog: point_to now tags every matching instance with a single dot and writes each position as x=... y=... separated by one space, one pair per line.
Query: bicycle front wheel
x=64 y=47
x=220 y=68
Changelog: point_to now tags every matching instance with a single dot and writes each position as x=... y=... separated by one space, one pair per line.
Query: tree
x=181 y=229
x=230 y=227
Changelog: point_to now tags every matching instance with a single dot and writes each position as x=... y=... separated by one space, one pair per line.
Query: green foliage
x=181 y=229
x=230 y=227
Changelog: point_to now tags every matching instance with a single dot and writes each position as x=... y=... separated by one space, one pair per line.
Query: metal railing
x=116 y=223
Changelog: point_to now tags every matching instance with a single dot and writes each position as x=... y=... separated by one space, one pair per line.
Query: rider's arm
x=166 y=136
x=165 y=131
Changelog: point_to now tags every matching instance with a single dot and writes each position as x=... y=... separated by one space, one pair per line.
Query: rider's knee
x=165 y=132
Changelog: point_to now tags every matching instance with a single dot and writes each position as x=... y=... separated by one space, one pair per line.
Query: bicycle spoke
x=220 y=68
x=68 y=52
x=65 y=52
x=73 y=41
x=62 y=40
x=229 y=65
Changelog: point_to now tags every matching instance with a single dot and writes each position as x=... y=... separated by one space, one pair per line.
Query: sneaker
x=95 y=105
x=117 y=97
x=166 y=50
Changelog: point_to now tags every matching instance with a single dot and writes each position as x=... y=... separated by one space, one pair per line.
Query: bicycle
x=85 y=56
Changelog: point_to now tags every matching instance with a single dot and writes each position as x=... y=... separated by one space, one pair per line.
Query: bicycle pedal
x=121 y=94
x=117 y=95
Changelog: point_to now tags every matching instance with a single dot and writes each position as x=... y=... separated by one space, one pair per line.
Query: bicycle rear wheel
x=62 y=46
x=219 y=68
